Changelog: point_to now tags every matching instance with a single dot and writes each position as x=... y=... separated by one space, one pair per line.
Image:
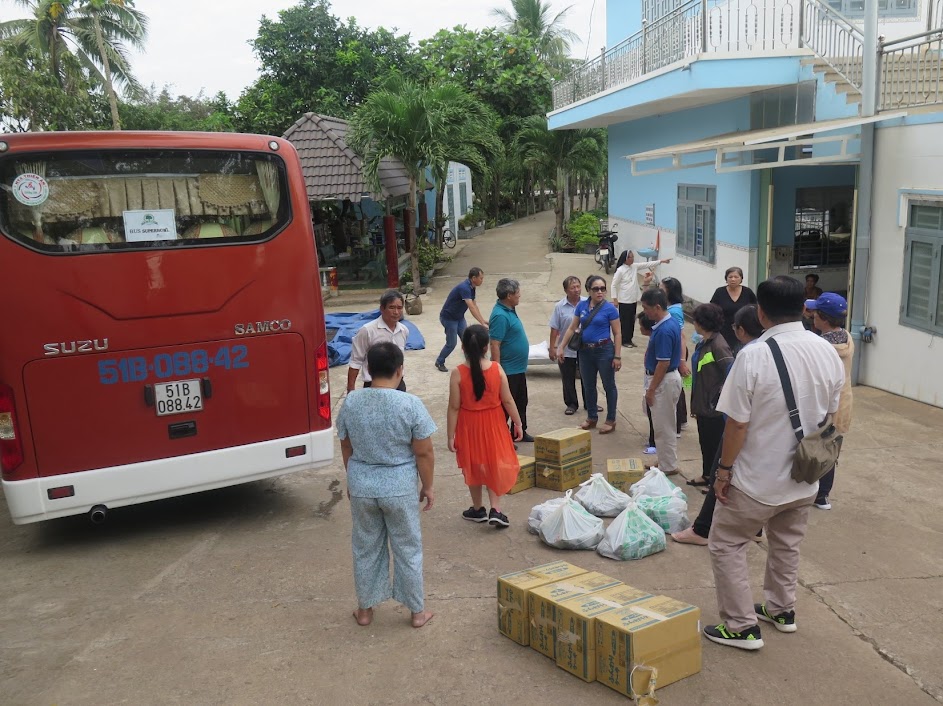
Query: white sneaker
x=822 y=504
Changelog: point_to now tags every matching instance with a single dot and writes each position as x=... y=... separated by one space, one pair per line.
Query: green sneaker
x=749 y=639
x=784 y=622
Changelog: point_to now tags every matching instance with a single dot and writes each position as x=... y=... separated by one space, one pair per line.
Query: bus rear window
x=105 y=201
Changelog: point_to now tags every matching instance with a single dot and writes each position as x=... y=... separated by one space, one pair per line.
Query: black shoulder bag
x=576 y=340
x=818 y=452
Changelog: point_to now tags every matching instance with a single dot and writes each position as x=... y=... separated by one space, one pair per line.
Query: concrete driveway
x=244 y=596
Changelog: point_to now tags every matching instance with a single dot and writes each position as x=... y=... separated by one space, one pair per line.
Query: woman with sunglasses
x=601 y=331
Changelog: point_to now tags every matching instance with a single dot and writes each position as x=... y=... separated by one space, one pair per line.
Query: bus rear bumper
x=135 y=483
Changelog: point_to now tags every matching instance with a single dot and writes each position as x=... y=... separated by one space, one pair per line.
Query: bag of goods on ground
x=655 y=484
x=600 y=498
x=668 y=512
x=538 y=512
x=632 y=535
x=571 y=527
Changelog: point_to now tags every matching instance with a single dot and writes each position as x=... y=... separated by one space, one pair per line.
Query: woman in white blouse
x=626 y=291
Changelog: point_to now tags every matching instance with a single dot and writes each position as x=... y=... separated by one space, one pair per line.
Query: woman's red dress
x=483 y=447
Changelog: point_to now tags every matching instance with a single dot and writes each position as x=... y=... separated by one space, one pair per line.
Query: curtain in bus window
x=268 y=178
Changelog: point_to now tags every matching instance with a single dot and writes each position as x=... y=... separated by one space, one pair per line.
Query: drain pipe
x=858 y=329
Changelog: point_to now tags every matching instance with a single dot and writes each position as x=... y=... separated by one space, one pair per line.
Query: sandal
x=607 y=428
x=588 y=424
x=699 y=482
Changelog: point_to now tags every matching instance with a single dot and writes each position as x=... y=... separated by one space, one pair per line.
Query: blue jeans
x=599 y=360
x=453 y=331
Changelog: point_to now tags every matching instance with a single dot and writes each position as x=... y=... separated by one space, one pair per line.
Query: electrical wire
x=589 y=33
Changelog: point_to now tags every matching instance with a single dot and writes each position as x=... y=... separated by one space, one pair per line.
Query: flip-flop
x=699 y=482
x=429 y=616
x=570 y=411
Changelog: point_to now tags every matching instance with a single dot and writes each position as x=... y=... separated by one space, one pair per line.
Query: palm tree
x=560 y=151
x=537 y=19
x=95 y=31
x=420 y=126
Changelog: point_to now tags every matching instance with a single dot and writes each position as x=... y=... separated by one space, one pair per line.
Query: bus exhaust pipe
x=98 y=514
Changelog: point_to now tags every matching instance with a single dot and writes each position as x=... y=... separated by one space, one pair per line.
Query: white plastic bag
x=538 y=512
x=669 y=512
x=571 y=527
x=600 y=498
x=632 y=535
x=655 y=484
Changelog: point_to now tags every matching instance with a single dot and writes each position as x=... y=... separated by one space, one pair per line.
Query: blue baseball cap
x=830 y=304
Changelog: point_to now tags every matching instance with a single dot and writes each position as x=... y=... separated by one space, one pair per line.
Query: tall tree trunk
x=531 y=200
x=408 y=224
x=109 y=85
x=558 y=208
x=439 y=210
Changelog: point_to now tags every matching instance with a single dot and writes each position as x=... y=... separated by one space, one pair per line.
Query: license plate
x=178 y=397
x=604 y=252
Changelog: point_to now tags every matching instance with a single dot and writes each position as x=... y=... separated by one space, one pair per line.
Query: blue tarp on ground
x=348 y=324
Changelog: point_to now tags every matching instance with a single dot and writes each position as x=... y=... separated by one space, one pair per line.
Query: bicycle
x=448 y=237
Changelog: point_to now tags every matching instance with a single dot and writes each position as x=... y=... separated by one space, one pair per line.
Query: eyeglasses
x=597 y=289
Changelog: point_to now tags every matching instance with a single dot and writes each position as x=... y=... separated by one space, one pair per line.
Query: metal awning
x=733 y=151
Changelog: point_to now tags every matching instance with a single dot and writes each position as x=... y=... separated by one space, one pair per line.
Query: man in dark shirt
x=661 y=362
x=452 y=316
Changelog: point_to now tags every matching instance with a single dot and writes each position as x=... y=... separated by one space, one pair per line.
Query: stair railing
x=834 y=38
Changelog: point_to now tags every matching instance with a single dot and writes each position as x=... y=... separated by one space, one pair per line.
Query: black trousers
x=518 y=385
x=627 y=319
x=710 y=433
x=651 y=427
x=401 y=387
x=568 y=370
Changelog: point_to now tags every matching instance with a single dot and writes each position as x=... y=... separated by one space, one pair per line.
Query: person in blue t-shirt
x=662 y=358
x=452 y=315
x=509 y=346
x=672 y=289
x=597 y=354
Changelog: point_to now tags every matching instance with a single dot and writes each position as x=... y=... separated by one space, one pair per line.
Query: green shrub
x=585 y=231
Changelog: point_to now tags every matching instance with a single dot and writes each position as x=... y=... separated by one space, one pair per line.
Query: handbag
x=818 y=452
x=576 y=340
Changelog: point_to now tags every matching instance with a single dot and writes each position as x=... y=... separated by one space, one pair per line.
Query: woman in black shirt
x=731 y=299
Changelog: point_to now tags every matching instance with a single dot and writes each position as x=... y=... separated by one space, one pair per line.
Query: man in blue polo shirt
x=509 y=346
x=452 y=315
x=661 y=362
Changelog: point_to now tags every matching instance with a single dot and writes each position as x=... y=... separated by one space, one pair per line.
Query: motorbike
x=605 y=253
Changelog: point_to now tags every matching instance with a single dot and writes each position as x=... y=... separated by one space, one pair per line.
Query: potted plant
x=585 y=233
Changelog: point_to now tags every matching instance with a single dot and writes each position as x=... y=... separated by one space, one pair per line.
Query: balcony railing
x=696 y=27
x=834 y=38
x=910 y=71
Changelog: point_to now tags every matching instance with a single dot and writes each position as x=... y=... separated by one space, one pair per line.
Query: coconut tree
x=420 y=126
x=561 y=151
x=537 y=19
x=96 y=32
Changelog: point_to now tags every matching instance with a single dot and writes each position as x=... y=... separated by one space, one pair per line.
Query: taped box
x=512 y=596
x=560 y=478
x=527 y=476
x=623 y=472
x=648 y=645
x=542 y=603
x=576 y=626
x=563 y=446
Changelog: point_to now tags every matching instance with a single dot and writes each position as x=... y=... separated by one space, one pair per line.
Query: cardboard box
x=560 y=478
x=527 y=476
x=576 y=627
x=623 y=472
x=542 y=605
x=658 y=633
x=563 y=446
x=512 y=596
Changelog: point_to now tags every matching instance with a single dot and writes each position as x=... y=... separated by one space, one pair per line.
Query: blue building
x=735 y=139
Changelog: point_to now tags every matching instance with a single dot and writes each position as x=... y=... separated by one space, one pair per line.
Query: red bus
x=164 y=328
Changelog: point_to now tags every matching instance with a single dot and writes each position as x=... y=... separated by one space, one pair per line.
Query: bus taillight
x=324 y=385
x=11 y=444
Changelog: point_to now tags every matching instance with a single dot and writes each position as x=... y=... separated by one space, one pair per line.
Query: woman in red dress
x=477 y=430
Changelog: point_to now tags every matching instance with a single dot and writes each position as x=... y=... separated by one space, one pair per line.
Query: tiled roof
x=331 y=168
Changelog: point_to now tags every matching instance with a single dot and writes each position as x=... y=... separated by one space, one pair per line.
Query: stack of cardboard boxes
x=564 y=458
x=599 y=629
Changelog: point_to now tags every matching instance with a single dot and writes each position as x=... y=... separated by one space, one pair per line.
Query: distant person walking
x=452 y=315
x=731 y=298
x=671 y=286
x=662 y=358
x=626 y=291
x=479 y=397
x=509 y=346
x=388 y=327
x=828 y=316
x=386 y=441
x=754 y=485
x=559 y=322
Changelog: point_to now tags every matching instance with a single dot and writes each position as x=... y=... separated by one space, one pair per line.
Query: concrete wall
x=901 y=359
x=737 y=194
